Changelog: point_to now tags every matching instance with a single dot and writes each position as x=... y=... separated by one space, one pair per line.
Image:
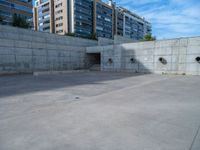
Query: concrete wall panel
x=28 y=51
x=180 y=56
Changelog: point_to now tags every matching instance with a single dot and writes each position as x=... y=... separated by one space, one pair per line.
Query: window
x=59 y=11
x=58 y=5
x=59 y=25
x=46 y=28
x=99 y=28
x=59 y=31
x=107 y=19
x=59 y=18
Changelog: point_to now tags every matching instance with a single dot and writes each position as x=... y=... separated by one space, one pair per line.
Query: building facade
x=130 y=25
x=88 y=17
x=103 y=19
x=22 y=8
x=65 y=16
x=61 y=16
x=81 y=17
x=44 y=16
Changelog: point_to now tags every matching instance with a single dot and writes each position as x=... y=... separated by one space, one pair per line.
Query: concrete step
x=95 y=67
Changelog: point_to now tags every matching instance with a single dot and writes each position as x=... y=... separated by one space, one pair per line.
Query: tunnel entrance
x=94 y=61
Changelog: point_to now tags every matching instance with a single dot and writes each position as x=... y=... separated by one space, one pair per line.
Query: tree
x=149 y=37
x=19 y=21
x=70 y=34
x=93 y=36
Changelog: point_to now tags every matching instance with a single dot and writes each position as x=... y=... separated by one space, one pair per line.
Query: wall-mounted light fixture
x=110 y=61
x=132 y=60
x=162 y=60
x=198 y=59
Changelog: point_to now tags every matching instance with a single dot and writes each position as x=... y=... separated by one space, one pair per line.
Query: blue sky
x=169 y=18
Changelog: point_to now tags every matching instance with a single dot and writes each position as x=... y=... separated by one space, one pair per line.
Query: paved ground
x=99 y=111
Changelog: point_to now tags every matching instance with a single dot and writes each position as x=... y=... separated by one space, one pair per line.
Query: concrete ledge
x=9 y=73
x=57 y=72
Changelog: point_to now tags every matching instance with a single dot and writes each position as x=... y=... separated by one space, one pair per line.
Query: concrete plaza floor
x=99 y=111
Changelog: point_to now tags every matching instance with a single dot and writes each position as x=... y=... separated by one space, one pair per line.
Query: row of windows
x=46 y=28
x=59 y=5
x=5 y=14
x=45 y=10
x=45 y=5
x=86 y=6
x=59 y=24
x=59 y=12
x=44 y=17
x=83 y=11
x=102 y=7
x=15 y=6
x=59 y=18
x=59 y=31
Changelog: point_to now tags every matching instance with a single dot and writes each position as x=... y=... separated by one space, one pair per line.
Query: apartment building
x=119 y=22
x=44 y=16
x=64 y=16
x=81 y=17
x=130 y=25
x=20 y=7
x=61 y=16
x=103 y=19
x=87 y=17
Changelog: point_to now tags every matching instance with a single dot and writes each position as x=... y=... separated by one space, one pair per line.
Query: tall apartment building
x=87 y=17
x=65 y=16
x=20 y=7
x=103 y=20
x=44 y=16
x=130 y=25
x=81 y=17
x=61 y=16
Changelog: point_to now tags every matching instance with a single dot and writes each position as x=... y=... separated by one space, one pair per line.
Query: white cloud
x=169 y=18
x=137 y=2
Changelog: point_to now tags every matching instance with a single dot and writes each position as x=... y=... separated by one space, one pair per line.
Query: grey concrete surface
x=99 y=111
x=26 y=51
x=180 y=55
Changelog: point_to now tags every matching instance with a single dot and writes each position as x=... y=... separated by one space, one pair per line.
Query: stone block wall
x=26 y=51
x=179 y=56
x=104 y=41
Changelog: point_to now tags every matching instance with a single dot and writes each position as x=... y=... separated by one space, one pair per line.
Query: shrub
x=19 y=21
x=149 y=37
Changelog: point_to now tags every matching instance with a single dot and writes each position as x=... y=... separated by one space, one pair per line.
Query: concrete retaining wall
x=117 y=40
x=120 y=40
x=25 y=51
x=180 y=56
x=104 y=41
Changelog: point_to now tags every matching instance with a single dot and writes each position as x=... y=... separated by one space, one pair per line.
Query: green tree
x=19 y=21
x=70 y=34
x=93 y=36
x=149 y=37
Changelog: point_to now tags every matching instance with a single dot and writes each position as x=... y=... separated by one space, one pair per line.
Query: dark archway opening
x=94 y=61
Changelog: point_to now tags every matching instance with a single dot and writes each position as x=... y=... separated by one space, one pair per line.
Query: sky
x=169 y=18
